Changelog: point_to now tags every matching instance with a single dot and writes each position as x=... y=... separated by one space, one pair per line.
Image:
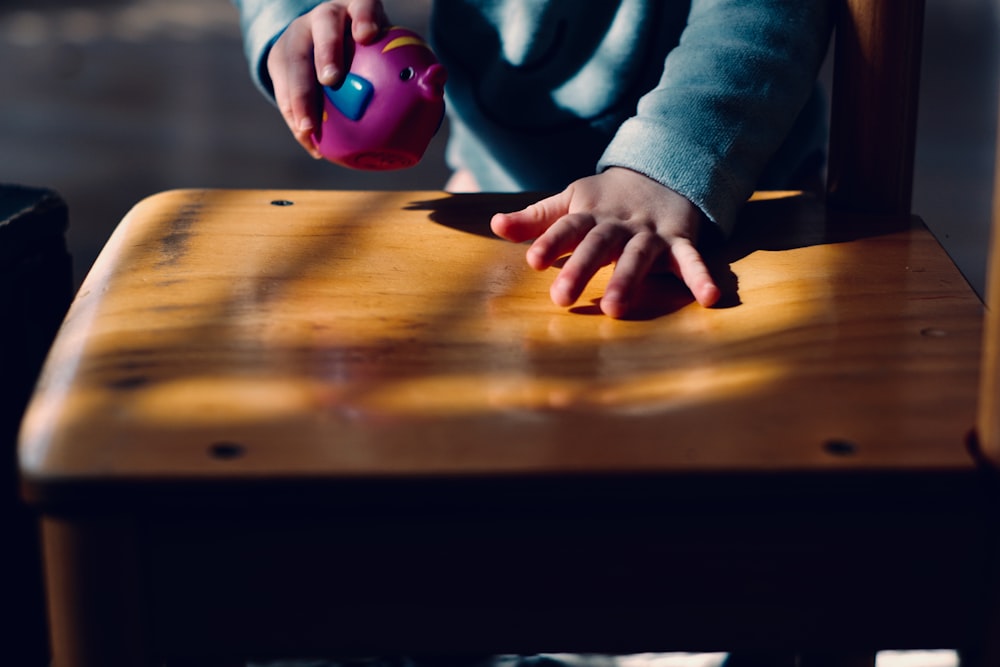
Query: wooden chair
x=293 y=424
x=36 y=286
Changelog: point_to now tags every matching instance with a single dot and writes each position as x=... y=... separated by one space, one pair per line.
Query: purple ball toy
x=387 y=109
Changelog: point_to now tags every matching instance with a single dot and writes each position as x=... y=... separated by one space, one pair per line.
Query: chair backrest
x=874 y=111
x=872 y=140
x=988 y=427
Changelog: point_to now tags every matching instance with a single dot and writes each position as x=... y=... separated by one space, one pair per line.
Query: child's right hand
x=311 y=52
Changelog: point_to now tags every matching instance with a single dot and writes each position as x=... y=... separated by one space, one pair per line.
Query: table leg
x=95 y=592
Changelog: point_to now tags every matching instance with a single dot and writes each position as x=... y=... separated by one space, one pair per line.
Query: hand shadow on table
x=771 y=221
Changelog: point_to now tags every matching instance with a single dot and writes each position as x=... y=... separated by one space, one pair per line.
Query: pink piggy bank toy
x=388 y=108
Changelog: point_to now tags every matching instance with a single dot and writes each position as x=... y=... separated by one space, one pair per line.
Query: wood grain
x=389 y=334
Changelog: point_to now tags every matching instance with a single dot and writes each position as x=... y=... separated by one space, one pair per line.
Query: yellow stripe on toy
x=408 y=40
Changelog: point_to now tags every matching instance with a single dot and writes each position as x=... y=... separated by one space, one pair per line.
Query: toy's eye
x=406 y=74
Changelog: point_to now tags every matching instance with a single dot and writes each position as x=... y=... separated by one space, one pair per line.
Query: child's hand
x=311 y=50
x=617 y=216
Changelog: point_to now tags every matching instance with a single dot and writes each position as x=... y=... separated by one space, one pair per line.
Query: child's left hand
x=616 y=216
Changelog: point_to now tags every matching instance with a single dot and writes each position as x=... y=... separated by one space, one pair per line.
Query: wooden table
x=320 y=423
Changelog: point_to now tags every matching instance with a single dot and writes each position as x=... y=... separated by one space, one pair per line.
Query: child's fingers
x=301 y=95
x=294 y=88
x=367 y=20
x=560 y=239
x=691 y=268
x=281 y=97
x=327 y=24
x=601 y=245
x=531 y=221
x=301 y=100
x=633 y=266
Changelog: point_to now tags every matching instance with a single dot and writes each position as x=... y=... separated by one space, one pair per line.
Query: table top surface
x=247 y=335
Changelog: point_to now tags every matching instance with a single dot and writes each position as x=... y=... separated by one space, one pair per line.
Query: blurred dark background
x=113 y=100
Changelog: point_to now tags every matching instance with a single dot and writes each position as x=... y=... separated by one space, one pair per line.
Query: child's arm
x=616 y=216
x=729 y=94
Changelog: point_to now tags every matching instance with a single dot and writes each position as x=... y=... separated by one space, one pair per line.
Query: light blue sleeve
x=729 y=95
x=262 y=22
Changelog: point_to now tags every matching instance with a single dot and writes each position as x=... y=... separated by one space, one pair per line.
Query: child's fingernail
x=305 y=125
x=367 y=28
x=328 y=75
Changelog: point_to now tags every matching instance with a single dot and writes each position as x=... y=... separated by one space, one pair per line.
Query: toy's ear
x=351 y=98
